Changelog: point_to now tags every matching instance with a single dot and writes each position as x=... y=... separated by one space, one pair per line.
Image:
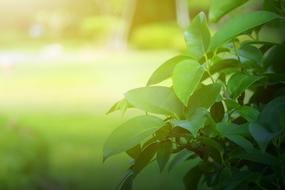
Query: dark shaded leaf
x=163 y=154
x=239 y=82
x=217 y=111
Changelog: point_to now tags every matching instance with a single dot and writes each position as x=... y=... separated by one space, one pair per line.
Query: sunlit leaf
x=240 y=24
x=122 y=105
x=130 y=134
x=219 y=8
x=186 y=77
x=155 y=99
x=197 y=36
x=165 y=70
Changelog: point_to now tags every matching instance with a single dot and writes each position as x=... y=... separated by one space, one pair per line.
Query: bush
x=157 y=36
x=225 y=108
x=23 y=160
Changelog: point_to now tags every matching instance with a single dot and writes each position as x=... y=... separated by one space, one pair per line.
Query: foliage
x=226 y=106
x=23 y=159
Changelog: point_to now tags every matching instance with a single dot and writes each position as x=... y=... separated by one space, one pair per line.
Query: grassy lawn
x=65 y=99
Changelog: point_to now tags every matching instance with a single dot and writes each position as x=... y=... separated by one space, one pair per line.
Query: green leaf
x=250 y=56
x=186 y=77
x=261 y=135
x=120 y=105
x=249 y=113
x=238 y=25
x=195 y=123
x=205 y=96
x=192 y=178
x=165 y=70
x=239 y=82
x=257 y=156
x=155 y=99
x=275 y=59
x=130 y=134
x=135 y=151
x=197 y=36
x=241 y=141
x=144 y=158
x=226 y=129
x=180 y=157
x=219 y=8
x=163 y=154
x=272 y=114
x=217 y=111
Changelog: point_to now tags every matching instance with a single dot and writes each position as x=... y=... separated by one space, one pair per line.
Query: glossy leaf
x=219 y=8
x=165 y=70
x=163 y=154
x=197 y=36
x=156 y=99
x=240 y=24
x=205 y=96
x=239 y=82
x=186 y=77
x=130 y=134
x=261 y=135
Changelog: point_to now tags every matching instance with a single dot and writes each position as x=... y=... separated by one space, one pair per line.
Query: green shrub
x=157 y=36
x=23 y=160
x=225 y=107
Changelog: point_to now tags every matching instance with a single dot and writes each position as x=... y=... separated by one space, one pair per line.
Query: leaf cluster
x=224 y=111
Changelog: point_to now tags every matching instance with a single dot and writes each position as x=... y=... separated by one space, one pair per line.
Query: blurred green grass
x=65 y=99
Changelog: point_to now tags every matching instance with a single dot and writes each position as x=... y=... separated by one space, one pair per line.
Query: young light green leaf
x=120 y=105
x=163 y=154
x=165 y=71
x=261 y=135
x=240 y=24
x=239 y=82
x=204 y=96
x=219 y=8
x=186 y=77
x=155 y=99
x=197 y=36
x=130 y=134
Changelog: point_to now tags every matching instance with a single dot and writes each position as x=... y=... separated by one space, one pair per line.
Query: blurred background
x=63 y=63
